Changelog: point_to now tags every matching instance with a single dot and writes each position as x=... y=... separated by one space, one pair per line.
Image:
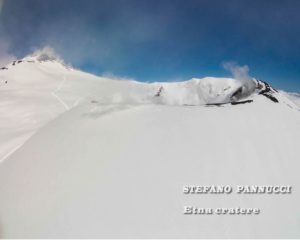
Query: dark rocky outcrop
x=159 y=92
x=242 y=102
x=267 y=90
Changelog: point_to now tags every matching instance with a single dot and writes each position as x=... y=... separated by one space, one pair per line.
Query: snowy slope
x=110 y=158
x=40 y=87
x=118 y=171
x=34 y=92
x=295 y=97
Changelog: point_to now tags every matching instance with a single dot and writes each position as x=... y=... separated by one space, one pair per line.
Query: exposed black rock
x=237 y=94
x=232 y=103
x=215 y=104
x=159 y=92
x=241 y=102
x=267 y=91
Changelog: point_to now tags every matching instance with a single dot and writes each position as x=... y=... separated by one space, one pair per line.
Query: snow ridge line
x=57 y=97
x=10 y=152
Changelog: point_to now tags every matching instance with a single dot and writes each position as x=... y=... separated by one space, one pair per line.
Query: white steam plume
x=241 y=73
x=46 y=53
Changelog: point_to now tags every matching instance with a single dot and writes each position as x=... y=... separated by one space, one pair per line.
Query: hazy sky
x=156 y=40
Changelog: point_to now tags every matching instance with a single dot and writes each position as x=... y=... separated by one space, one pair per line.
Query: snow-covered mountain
x=89 y=156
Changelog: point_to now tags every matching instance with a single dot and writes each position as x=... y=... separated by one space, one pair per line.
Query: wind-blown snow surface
x=39 y=88
x=114 y=164
x=295 y=97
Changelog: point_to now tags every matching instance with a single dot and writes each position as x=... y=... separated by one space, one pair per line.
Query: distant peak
x=44 y=54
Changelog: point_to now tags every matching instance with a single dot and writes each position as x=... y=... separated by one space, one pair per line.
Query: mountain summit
x=44 y=54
